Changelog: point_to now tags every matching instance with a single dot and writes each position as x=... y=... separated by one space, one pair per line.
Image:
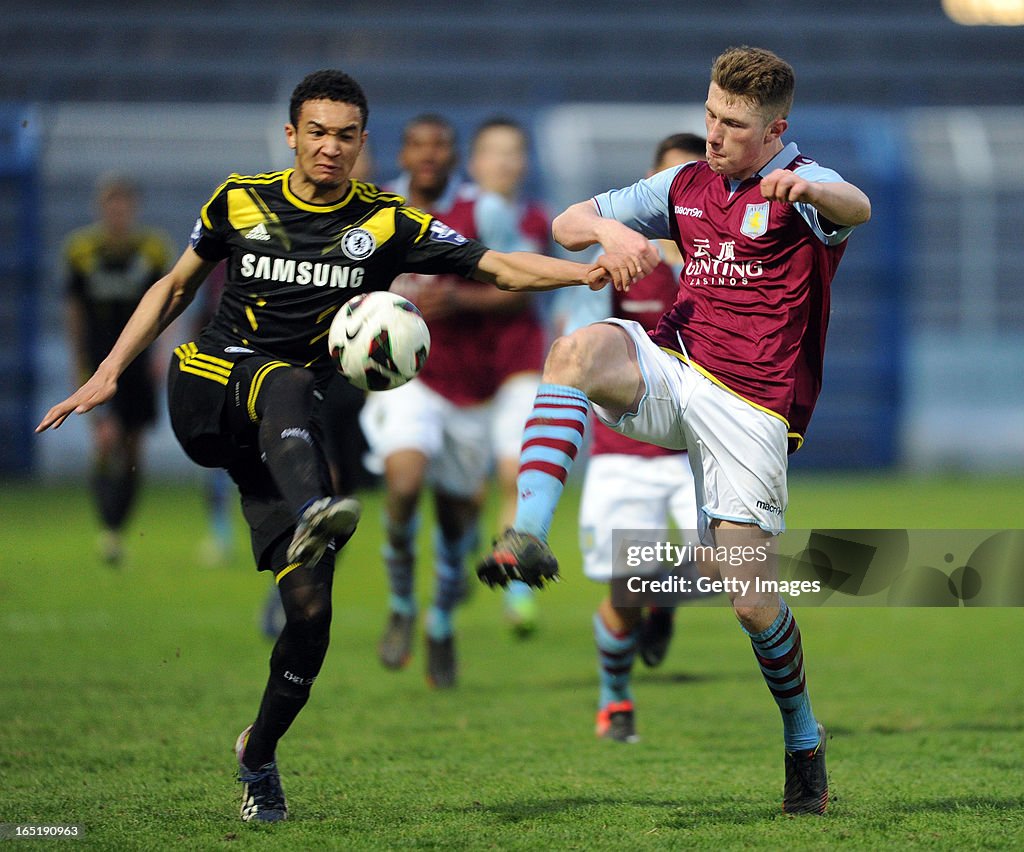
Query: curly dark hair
x=331 y=85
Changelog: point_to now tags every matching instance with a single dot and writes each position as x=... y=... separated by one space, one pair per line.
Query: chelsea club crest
x=358 y=244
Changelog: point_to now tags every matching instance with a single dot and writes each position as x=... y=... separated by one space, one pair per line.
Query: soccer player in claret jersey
x=498 y=164
x=732 y=370
x=405 y=428
x=442 y=430
x=244 y=396
x=630 y=484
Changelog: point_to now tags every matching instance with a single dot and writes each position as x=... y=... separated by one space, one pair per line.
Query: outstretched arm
x=443 y=297
x=841 y=203
x=158 y=308
x=521 y=270
x=630 y=255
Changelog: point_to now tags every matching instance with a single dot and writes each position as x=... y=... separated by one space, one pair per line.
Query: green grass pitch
x=121 y=693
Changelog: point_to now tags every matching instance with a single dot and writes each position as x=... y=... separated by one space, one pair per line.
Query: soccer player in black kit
x=244 y=396
x=110 y=264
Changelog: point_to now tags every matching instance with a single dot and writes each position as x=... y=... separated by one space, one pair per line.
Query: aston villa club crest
x=755 y=220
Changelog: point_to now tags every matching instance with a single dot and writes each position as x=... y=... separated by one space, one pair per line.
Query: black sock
x=114 y=486
x=296 y=658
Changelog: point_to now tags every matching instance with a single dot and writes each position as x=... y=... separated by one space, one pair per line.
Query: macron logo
x=695 y=212
x=259 y=233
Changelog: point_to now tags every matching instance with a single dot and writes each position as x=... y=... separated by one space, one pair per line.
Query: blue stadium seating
x=873 y=52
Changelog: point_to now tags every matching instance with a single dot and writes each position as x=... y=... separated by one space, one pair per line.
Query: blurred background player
x=498 y=163
x=436 y=431
x=629 y=484
x=110 y=264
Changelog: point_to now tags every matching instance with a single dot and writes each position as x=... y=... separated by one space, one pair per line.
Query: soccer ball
x=378 y=340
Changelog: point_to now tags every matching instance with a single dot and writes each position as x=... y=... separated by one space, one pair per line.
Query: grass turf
x=122 y=692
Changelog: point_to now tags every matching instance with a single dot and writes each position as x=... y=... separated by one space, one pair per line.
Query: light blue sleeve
x=497 y=224
x=575 y=307
x=642 y=206
x=583 y=306
x=819 y=174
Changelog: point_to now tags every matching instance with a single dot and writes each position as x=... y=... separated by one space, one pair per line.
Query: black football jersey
x=292 y=264
x=109 y=279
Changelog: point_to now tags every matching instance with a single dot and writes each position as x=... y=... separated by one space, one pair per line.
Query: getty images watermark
x=822 y=567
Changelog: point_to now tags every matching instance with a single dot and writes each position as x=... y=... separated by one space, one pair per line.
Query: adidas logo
x=259 y=233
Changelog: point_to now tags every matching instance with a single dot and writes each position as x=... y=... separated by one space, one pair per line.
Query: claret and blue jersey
x=753 y=304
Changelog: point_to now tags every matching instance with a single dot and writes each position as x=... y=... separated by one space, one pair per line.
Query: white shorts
x=738 y=452
x=461 y=442
x=510 y=409
x=455 y=439
x=634 y=493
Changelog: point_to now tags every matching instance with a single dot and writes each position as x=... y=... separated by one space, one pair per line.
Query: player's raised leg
x=281 y=400
x=596 y=363
x=512 y=407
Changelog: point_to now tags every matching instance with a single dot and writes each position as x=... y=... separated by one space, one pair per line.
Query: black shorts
x=212 y=400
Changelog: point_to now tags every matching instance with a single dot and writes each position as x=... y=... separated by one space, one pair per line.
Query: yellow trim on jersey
x=252 y=318
x=284 y=572
x=419 y=217
x=155 y=249
x=718 y=382
x=381 y=225
x=244 y=213
x=79 y=249
x=326 y=313
x=314 y=208
x=320 y=336
x=263 y=178
x=257 y=383
x=199 y=364
x=273 y=221
x=84 y=247
x=371 y=193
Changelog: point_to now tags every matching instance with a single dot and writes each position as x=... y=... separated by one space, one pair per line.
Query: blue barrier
x=20 y=242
